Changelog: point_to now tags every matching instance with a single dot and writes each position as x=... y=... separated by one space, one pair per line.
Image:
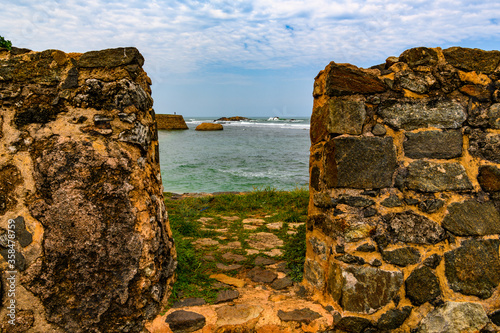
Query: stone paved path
x=259 y=299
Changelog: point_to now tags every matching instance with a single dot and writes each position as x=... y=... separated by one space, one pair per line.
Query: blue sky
x=248 y=57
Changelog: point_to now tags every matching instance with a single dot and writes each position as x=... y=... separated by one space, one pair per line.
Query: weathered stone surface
x=182 y=321
x=226 y=296
x=472 y=218
x=189 y=302
x=23 y=322
x=485 y=145
x=393 y=318
x=335 y=281
x=227 y=268
x=10 y=179
x=350 y=259
x=318 y=246
x=409 y=227
x=419 y=56
x=366 y=247
x=345 y=116
x=170 y=122
x=301 y=316
x=433 y=144
x=411 y=115
x=422 y=286
x=264 y=241
x=494 y=116
x=470 y=276
x=111 y=58
x=314 y=273
x=360 y=292
x=353 y=201
x=229 y=256
x=454 y=317
x=209 y=127
x=478 y=92
x=392 y=201
x=261 y=261
x=367 y=162
x=430 y=205
x=433 y=261
x=237 y=314
x=489 y=178
x=282 y=283
x=258 y=274
x=343 y=80
x=353 y=324
x=472 y=59
x=228 y=280
x=428 y=176
x=379 y=130
x=402 y=257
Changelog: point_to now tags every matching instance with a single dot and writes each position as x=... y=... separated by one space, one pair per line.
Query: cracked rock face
x=80 y=177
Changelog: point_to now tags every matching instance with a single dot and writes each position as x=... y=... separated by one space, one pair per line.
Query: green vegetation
x=194 y=269
x=5 y=43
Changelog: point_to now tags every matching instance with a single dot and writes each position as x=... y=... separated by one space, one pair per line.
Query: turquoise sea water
x=245 y=155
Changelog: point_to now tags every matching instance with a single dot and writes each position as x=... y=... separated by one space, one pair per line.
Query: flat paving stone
x=229 y=256
x=264 y=241
x=259 y=261
x=206 y=242
x=250 y=227
x=274 y=226
x=283 y=283
x=301 y=316
x=258 y=274
x=254 y=221
x=274 y=253
x=226 y=296
x=227 y=268
x=228 y=280
x=237 y=315
x=231 y=245
x=182 y=321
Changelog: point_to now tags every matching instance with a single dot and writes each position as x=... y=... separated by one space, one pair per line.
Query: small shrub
x=5 y=43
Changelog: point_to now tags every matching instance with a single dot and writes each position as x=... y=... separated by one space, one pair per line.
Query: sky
x=254 y=58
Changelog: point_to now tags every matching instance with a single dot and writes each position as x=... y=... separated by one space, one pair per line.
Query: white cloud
x=188 y=36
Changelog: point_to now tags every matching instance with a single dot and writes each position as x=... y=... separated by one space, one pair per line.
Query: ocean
x=246 y=155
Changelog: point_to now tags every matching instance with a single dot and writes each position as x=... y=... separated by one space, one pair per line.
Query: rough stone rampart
x=404 y=222
x=80 y=190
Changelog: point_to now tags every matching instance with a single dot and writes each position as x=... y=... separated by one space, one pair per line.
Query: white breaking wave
x=281 y=123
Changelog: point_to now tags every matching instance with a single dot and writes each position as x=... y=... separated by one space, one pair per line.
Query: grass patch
x=193 y=270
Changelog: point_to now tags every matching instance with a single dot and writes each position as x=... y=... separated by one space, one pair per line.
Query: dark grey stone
x=472 y=59
x=433 y=261
x=371 y=193
x=422 y=286
x=354 y=201
x=353 y=324
x=362 y=293
x=494 y=116
x=430 y=205
x=392 y=201
x=485 y=145
x=402 y=257
x=422 y=114
x=181 y=321
x=339 y=248
x=428 y=176
x=261 y=261
x=317 y=246
x=20 y=261
x=301 y=316
x=111 y=58
x=282 y=283
x=71 y=80
x=258 y=274
x=379 y=130
x=419 y=56
x=226 y=296
x=434 y=144
x=409 y=227
x=376 y=263
x=23 y=236
x=472 y=218
x=411 y=201
x=393 y=318
x=364 y=162
x=322 y=200
x=345 y=116
x=472 y=269
x=342 y=80
x=366 y=247
x=350 y=259
x=139 y=135
x=189 y=302
x=369 y=212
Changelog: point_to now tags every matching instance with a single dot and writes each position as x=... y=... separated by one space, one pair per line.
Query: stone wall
x=404 y=222
x=81 y=202
x=170 y=122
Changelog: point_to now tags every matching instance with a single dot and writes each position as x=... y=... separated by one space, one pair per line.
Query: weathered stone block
x=472 y=59
x=433 y=144
x=435 y=177
x=314 y=273
x=402 y=257
x=360 y=292
x=352 y=324
x=422 y=286
x=411 y=115
x=494 y=116
x=472 y=218
x=454 y=317
x=111 y=58
x=393 y=319
x=182 y=321
x=409 y=227
x=419 y=56
x=472 y=269
x=345 y=116
x=489 y=178
x=343 y=80
x=366 y=162
x=485 y=145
